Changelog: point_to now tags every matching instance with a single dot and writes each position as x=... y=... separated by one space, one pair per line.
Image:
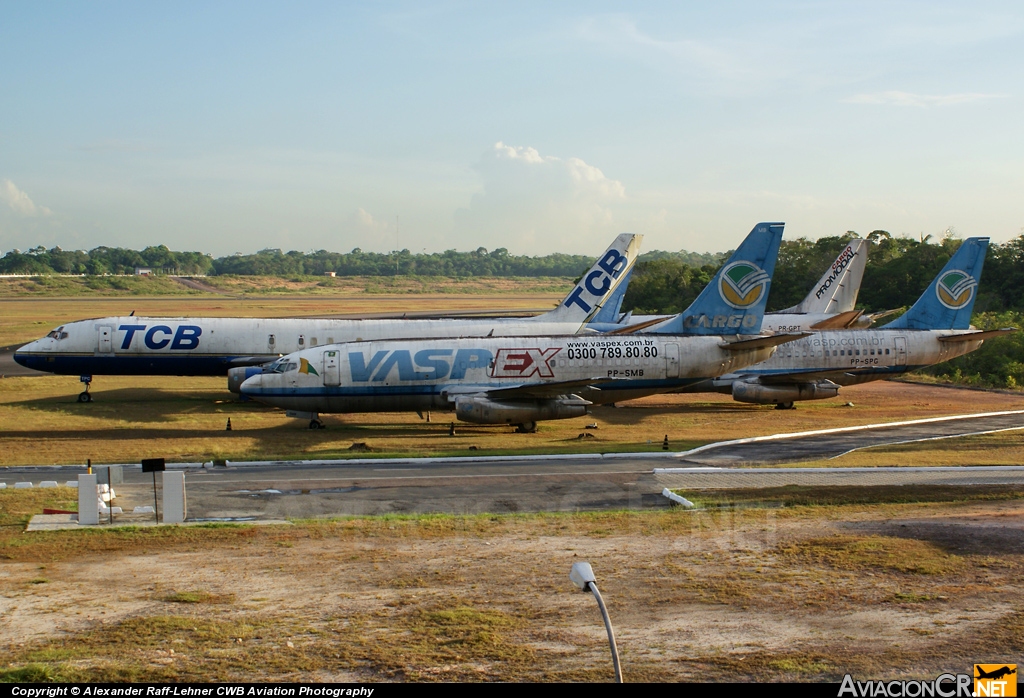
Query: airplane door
x=671 y=360
x=105 y=339
x=901 y=351
x=332 y=369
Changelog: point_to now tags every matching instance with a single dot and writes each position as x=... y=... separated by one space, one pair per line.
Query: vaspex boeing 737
x=217 y=346
x=935 y=329
x=522 y=380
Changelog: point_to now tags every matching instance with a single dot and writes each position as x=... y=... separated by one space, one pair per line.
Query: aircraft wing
x=975 y=336
x=760 y=341
x=242 y=361
x=804 y=377
x=537 y=390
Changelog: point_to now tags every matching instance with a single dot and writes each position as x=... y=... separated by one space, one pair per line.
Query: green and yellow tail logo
x=307 y=368
x=742 y=284
x=955 y=289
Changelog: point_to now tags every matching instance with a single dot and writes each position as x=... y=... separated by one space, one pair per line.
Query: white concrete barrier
x=174 y=496
x=22 y=485
x=142 y=510
x=88 y=506
x=3 y=485
x=71 y=483
x=48 y=483
x=686 y=503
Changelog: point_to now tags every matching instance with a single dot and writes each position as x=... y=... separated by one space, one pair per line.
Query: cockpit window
x=58 y=333
x=291 y=367
x=281 y=366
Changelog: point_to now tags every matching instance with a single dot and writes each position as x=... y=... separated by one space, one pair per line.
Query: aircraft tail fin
x=948 y=301
x=599 y=284
x=611 y=311
x=837 y=289
x=734 y=301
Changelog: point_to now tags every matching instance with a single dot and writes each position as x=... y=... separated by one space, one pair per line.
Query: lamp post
x=582 y=575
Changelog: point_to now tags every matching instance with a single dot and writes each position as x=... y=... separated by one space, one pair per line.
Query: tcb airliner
x=522 y=380
x=238 y=346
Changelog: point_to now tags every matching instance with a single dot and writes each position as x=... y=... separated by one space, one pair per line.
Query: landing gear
x=527 y=428
x=784 y=406
x=85 y=395
x=316 y=424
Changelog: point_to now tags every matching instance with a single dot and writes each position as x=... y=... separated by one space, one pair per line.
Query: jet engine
x=782 y=394
x=483 y=410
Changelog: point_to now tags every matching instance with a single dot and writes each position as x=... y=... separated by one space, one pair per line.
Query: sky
x=233 y=127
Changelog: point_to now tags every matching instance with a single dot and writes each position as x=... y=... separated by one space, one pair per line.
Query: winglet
x=598 y=284
x=948 y=301
x=734 y=301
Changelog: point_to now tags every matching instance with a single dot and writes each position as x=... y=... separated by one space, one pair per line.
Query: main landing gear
x=527 y=428
x=85 y=395
x=316 y=423
x=784 y=406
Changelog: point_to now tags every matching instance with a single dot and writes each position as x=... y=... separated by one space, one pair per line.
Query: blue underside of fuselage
x=347 y=391
x=130 y=365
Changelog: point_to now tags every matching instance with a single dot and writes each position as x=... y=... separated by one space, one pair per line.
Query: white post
x=88 y=502
x=174 y=496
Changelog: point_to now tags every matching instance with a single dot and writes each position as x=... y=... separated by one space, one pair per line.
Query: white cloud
x=19 y=201
x=539 y=202
x=909 y=99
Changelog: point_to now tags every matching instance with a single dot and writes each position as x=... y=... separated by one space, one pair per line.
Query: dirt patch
x=800 y=593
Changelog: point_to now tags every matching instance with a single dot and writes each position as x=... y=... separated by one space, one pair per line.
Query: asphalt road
x=821 y=446
x=585 y=483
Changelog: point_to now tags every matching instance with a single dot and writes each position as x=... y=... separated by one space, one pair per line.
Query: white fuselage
x=855 y=356
x=431 y=374
x=211 y=346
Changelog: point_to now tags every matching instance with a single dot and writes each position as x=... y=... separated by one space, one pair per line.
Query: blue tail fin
x=734 y=301
x=949 y=299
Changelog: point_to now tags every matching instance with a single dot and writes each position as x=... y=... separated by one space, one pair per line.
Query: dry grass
x=183 y=419
x=26 y=318
x=801 y=593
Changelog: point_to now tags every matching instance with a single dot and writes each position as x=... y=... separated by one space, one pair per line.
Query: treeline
x=274 y=262
x=898 y=271
x=104 y=260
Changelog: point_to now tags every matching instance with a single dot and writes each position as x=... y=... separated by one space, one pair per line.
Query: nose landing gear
x=85 y=395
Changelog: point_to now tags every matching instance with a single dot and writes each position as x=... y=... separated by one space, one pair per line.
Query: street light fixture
x=582 y=575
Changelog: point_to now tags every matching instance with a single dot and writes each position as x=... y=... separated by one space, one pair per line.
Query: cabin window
x=271 y=340
x=886 y=352
x=312 y=341
x=302 y=341
x=330 y=340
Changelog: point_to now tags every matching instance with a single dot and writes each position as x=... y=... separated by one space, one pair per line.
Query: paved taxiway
x=534 y=483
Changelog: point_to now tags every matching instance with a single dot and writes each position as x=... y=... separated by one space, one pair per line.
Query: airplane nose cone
x=252 y=385
x=23 y=355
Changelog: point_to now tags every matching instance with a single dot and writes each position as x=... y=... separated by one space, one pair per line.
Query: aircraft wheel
x=316 y=424
x=784 y=406
x=527 y=428
x=85 y=397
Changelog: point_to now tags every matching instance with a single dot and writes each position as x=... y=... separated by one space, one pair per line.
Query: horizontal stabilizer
x=975 y=336
x=630 y=329
x=772 y=340
x=838 y=322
